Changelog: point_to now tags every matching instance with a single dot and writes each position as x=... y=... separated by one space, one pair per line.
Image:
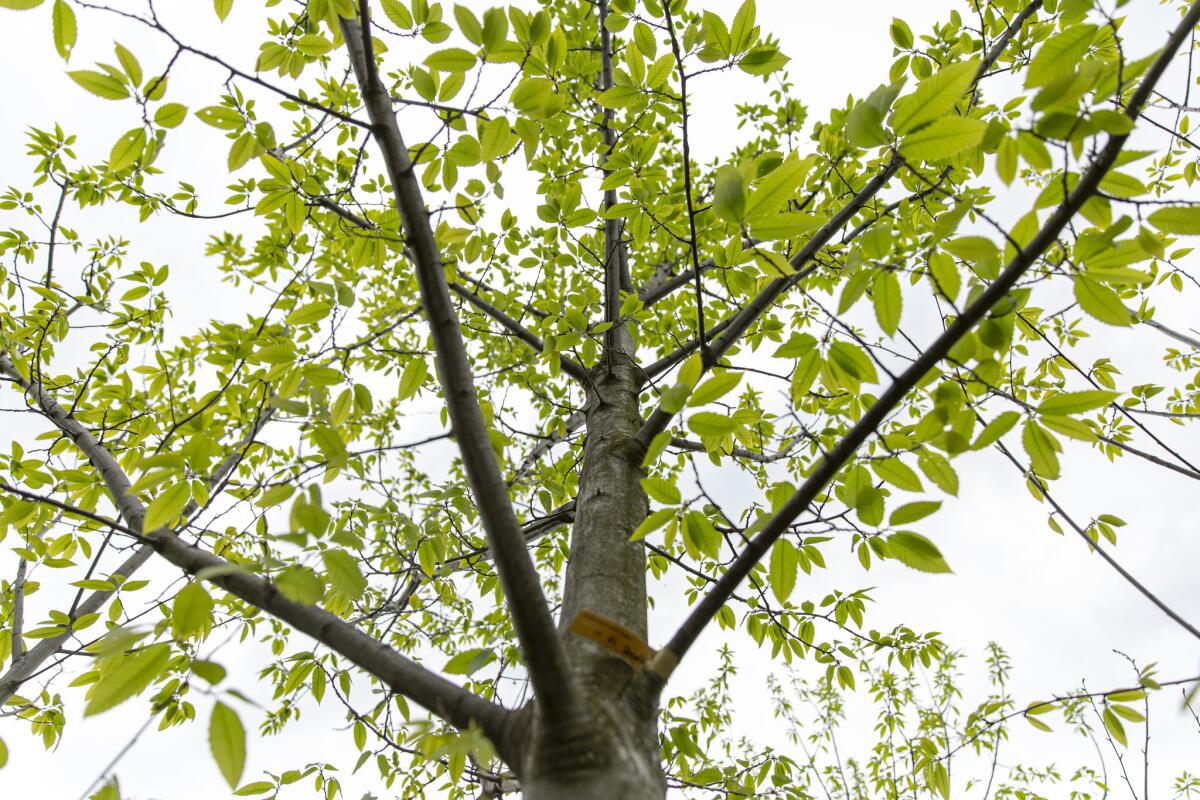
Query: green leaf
x=661 y=490
x=127 y=150
x=310 y=313
x=452 y=59
x=853 y=361
x=300 y=585
x=532 y=94
x=774 y=189
x=258 y=787
x=1180 y=220
x=1113 y=725
x=785 y=559
x=714 y=388
x=706 y=423
x=166 y=508
x=1076 y=402
x=934 y=97
x=937 y=468
x=227 y=740
x=763 y=61
x=911 y=512
x=995 y=429
x=126 y=678
x=729 y=195
x=914 y=550
x=342 y=570
x=889 y=302
x=222 y=7
x=1042 y=448
x=170 y=115
x=901 y=34
x=413 y=378
x=469 y=661
x=1101 y=302
x=3 y=754
x=945 y=138
x=20 y=5
x=100 y=84
x=1060 y=55
x=864 y=123
x=651 y=523
x=398 y=13
x=191 y=612
x=63 y=19
x=699 y=536
x=898 y=474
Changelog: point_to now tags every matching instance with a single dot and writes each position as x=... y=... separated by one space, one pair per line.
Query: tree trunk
x=615 y=751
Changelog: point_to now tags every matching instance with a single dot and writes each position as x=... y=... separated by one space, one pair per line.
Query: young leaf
x=192 y=611
x=714 y=388
x=934 y=97
x=227 y=740
x=885 y=292
x=784 y=562
x=469 y=661
x=165 y=508
x=64 y=29
x=1180 y=220
x=126 y=678
x=914 y=550
x=100 y=84
x=943 y=139
x=1076 y=402
x=1101 y=302
x=343 y=572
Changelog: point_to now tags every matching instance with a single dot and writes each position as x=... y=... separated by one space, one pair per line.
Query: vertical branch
x=616 y=258
x=687 y=180
x=536 y=633
x=18 y=613
x=62 y=197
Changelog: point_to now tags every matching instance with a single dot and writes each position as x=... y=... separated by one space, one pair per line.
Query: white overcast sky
x=1060 y=612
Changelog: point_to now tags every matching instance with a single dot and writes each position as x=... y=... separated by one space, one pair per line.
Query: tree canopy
x=449 y=454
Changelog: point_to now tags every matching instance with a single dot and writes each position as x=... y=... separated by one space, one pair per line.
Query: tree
x=583 y=364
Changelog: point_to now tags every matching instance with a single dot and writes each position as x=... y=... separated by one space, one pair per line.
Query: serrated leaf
x=943 y=139
x=1040 y=445
x=706 y=423
x=170 y=115
x=451 y=59
x=934 y=97
x=63 y=20
x=227 y=741
x=651 y=523
x=1101 y=302
x=127 y=150
x=661 y=490
x=1076 y=402
x=1060 y=55
x=469 y=661
x=714 y=388
x=1180 y=220
x=911 y=512
x=191 y=612
x=166 y=507
x=785 y=560
x=100 y=84
x=914 y=550
x=126 y=678
x=888 y=301
x=222 y=7
x=774 y=189
x=342 y=570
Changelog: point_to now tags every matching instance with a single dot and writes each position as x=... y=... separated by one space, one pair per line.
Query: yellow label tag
x=612 y=636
